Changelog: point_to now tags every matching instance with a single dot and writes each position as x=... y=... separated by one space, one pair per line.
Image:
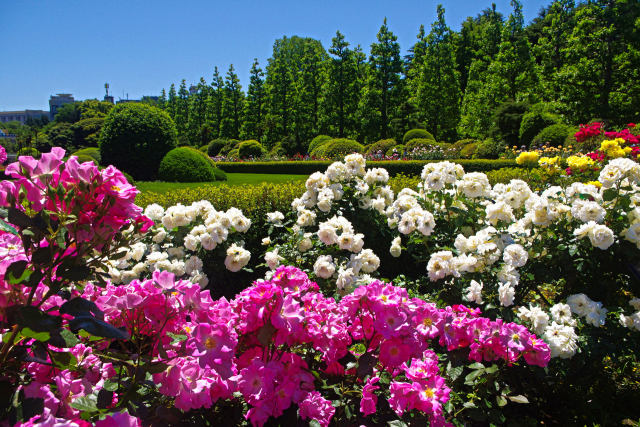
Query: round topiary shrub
x=489 y=149
x=381 y=146
x=135 y=138
x=399 y=149
x=554 y=135
x=318 y=141
x=467 y=151
x=233 y=154
x=230 y=144
x=93 y=152
x=214 y=147
x=532 y=123
x=28 y=151
x=186 y=164
x=277 y=150
x=337 y=148
x=250 y=148
x=416 y=133
x=85 y=158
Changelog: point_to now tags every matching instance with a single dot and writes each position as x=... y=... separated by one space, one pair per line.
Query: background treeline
x=581 y=60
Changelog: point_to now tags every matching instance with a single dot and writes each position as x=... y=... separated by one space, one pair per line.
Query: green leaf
x=476 y=365
x=518 y=399
x=156 y=368
x=41 y=255
x=85 y=403
x=81 y=307
x=19 y=218
x=314 y=423
x=609 y=194
x=491 y=369
x=74 y=273
x=33 y=318
x=63 y=338
x=17 y=272
x=454 y=372
x=7 y=228
x=397 y=423
x=501 y=401
x=38 y=336
x=470 y=378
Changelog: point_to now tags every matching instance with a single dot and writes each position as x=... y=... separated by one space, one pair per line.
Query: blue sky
x=140 y=47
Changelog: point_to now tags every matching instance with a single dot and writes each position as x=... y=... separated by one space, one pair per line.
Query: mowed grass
x=232 y=179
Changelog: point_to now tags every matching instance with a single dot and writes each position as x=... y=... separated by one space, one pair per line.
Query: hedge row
x=394 y=167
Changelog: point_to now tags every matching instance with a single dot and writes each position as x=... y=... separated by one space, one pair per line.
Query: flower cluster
x=179 y=240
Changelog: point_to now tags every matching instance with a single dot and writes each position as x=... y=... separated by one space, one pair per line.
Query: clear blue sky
x=140 y=47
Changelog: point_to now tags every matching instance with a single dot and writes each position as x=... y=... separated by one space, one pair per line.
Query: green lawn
x=232 y=179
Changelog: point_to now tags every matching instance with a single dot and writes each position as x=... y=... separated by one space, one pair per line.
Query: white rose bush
x=451 y=302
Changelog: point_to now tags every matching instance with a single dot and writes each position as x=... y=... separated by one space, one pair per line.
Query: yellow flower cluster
x=613 y=148
x=596 y=183
x=580 y=162
x=529 y=158
x=550 y=164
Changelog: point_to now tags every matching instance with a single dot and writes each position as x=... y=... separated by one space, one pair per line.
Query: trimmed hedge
x=337 y=148
x=318 y=141
x=249 y=148
x=394 y=167
x=93 y=152
x=214 y=147
x=383 y=145
x=554 y=135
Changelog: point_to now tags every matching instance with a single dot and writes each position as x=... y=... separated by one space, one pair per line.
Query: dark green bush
x=317 y=141
x=204 y=148
x=86 y=132
x=532 y=123
x=28 y=151
x=135 y=138
x=230 y=144
x=460 y=144
x=394 y=167
x=506 y=121
x=93 y=152
x=489 y=149
x=554 y=135
x=250 y=148
x=186 y=164
x=277 y=150
x=214 y=147
x=383 y=145
x=234 y=154
x=61 y=135
x=416 y=133
x=85 y=158
x=338 y=148
x=468 y=150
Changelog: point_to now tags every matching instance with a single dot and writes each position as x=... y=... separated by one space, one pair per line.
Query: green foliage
x=416 y=133
x=318 y=141
x=28 y=151
x=135 y=138
x=250 y=148
x=532 y=123
x=399 y=149
x=86 y=132
x=383 y=145
x=505 y=175
x=554 y=135
x=68 y=113
x=337 y=148
x=185 y=164
x=85 y=158
x=424 y=143
x=230 y=144
x=468 y=150
x=277 y=150
x=93 y=152
x=215 y=146
x=61 y=134
x=204 y=148
x=234 y=154
x=489 y=149
x=506 y=121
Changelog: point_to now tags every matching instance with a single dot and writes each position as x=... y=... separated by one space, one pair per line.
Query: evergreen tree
x=172 y=103
x=341 y=90
x=383 y=82
x=214 y=103
x=162 y=101
x=232 y=105
x=197 y=112
x=438 y=93
x=182 y=111
x=254 y=106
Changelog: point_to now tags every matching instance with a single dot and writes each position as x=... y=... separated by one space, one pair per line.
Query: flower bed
x=111 y=315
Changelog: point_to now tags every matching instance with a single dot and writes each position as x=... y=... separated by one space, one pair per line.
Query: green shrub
x=28 y=151
x=398 y=149
x=318 y=141
x=86 y=132
x=204 y=148
x=214 y=147
x=135 y=138
x=425 y=143
x=383 y=145
x=93 y=152
x=415 y=134
x=394 y=167
x=468 y=150
x=506 y=121
x=505 y=175
x=338 y=148
x=186 y=164
x=532 y=123
x=554 y=135
x=61 y=135
x=234 y=154
x=85 y=158
x=250 y=148
x=489 y=149
x=230 y=144
x=277 y=150
x=460 y=144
